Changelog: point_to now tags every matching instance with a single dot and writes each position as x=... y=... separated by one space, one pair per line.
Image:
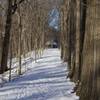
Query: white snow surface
x=46 y=80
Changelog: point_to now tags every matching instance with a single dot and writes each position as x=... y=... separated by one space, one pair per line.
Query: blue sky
x=54 y=19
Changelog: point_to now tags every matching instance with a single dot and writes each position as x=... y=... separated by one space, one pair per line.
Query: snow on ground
x=26 y=64
x=46 y=80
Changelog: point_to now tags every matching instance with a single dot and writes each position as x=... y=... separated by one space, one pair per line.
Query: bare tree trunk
x=64 y=33
x=6 y=40
x=83 y=9
x=90 y=78
x=10 y=59
x=20 y=32
x=77 y=52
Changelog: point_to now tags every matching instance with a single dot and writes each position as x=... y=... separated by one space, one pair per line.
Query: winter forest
x=49 y=50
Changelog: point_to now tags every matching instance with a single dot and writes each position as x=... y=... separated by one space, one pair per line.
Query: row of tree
x=80 y=45
x=23 y=28
x=22 y=24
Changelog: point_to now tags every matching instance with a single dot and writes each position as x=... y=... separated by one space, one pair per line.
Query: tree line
x=22 y=24
x=80 y=45
x=23 y=28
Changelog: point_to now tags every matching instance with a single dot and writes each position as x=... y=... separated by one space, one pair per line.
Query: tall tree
x=90 y=77
x=12 y=6
x=5 y=48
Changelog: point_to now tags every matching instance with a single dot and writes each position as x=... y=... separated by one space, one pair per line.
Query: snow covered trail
x=46 y=80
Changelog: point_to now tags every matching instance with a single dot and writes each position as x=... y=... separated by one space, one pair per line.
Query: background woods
x=82 y=24
x=24 y=37
x=25 y=27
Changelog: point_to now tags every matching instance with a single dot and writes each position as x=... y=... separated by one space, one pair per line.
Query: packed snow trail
x=46 y=80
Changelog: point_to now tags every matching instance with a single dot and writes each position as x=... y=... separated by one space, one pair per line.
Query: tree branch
x=20 y=1
x=15 y=5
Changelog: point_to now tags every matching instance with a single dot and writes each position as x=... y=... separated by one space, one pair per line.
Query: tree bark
x=90 y=78
x=77 y=51
x=6 y=40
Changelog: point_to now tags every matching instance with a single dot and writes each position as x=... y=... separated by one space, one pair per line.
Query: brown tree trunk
x=90 y=79
x=20 y=46
x=77 y=51
x=6 y=40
